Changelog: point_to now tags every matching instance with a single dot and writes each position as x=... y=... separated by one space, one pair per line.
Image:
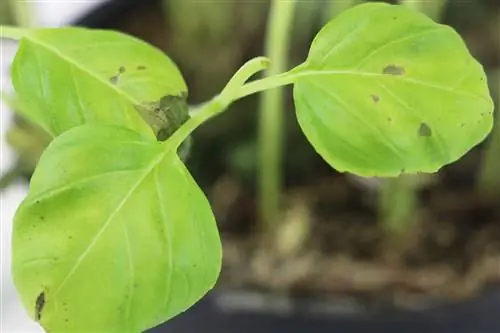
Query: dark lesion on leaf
x=39 y=305
x=393 y=70
x=141 y=68
x=424 y=130
x=375 y=98
x=165 y=115
x=116 y=78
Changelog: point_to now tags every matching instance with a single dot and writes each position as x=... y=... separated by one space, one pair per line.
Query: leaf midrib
x=311 y=73
x=157 y=160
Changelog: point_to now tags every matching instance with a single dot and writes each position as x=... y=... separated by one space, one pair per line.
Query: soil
x=328 y=241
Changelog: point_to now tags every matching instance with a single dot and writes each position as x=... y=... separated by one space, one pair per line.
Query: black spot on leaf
x=424 y=130
x=375 y=98
x=39 y=305
x=393 y=70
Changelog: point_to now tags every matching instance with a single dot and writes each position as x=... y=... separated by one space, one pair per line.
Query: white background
x=13 y=318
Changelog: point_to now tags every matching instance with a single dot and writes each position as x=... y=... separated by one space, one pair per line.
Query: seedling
x=116 y=236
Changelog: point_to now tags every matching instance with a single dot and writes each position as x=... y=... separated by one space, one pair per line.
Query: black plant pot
x=221 y=312
x=245 y=312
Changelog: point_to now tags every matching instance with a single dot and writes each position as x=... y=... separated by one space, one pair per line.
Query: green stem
x=8 y=177
x=267 y=83
x=22 y=11
x=397 y=202
x=432 y=8
x=338 y=6
x=246 y=71
x=488 y=183
x=271 y=112
x=220 y=103
x=10 y=32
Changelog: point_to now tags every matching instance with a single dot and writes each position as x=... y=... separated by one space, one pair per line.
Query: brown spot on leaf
x=39 y=305
x=424 y=130
x=393 y=70
x=375 y=98
x=114 y=79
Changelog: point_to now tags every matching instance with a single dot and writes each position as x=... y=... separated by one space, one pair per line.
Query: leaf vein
x=110 y=218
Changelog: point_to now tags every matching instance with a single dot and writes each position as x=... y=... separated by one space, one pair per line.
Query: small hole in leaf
x=375 y=98
x=39 y=304
x=424 y=130
x=393 y=70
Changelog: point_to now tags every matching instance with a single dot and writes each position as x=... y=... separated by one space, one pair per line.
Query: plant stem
x=9 y=176
x=488 y=183
x=271 y=113
x=246 y=71
x=397 y=202
x=432 y=8
x=338 y=6
x=10 y=32
x=22 y=11
x=230 y=93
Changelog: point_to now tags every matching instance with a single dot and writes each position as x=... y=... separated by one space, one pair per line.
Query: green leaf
x=67 y=77
x=385 y=90
x=120 y=244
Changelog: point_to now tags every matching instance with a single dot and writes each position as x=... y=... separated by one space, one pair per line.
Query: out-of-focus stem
x=488 y=182
x=23 y=12
x=272 y=113
x=397 y=202
x=338 y=6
